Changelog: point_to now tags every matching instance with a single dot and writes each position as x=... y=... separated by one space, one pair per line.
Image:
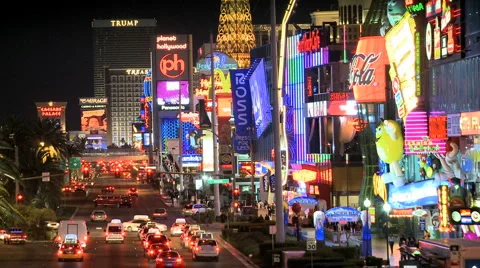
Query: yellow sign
x=400 y=43
x=124 y=23
x=222 y=84
x=304 y=175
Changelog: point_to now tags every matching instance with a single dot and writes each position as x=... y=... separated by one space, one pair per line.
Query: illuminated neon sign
x=304 y=175
x=51 y=111
x=164 y=43
x=425 y=146
x=310 y=42
x=442 y=193
x=124 y=23
x=400 y=42
x=470 y=123
x=221 y=83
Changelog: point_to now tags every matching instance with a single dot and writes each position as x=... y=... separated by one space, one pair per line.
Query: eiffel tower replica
x=376 y=15
x=235 y=31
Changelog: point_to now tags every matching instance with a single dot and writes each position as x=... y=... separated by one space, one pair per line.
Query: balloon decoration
x=296 y=208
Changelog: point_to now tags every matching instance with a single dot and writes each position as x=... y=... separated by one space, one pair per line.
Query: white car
x=205 y=248
x=199 y=208
x=162 y=227
x=132 y=226
x=52 y=225
x=176 y=229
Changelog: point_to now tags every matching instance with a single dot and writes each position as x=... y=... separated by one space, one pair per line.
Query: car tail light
x=106 y=233
x=25 y=236
x=93 y=216
x=217 y=249
x=59 y=238
x=191 y=243
x=179 y=259
x=85 y=237
x=60 y=252
x=152 y=252
x=196 y=249
x=159 y=260
x=79 y=252
x=123 y=233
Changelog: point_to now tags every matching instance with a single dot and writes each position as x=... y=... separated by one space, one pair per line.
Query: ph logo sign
x=172 y=66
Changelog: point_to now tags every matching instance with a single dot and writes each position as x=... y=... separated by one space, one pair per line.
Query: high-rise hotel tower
x=120 y=44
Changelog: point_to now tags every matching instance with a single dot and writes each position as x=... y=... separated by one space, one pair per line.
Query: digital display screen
x=262 y=111
x=169 y=91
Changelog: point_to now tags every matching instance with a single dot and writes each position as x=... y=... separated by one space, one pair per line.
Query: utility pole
x=216 y=187
x=180 y=140
x=253 y=164
x=17 y=164
x=280 y=235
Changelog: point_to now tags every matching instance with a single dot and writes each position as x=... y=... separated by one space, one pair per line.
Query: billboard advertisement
x=207 y=157
x=93 y=103
x=402 y=48
x=242 y=110
x=94 y=121
x=367 y=75
x=262 y=111
x=171 y=53
x=168 y=93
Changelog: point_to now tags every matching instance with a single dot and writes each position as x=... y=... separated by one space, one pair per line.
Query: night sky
x=47 y=53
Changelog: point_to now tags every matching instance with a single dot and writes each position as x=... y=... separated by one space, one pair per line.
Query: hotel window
x=114 y=109
x=355 y=21
x=114 y=114
x=113 y=79
x=115 y=129
x=129 y=79
x=121 y=79
x=349 y=14
x=360 y=12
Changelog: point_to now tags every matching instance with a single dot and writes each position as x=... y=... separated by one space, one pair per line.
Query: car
x=205 y=248
x=108 y=189
x=114 y=232
x=133 y=225
x=187 y=210
x=125 y=201
x=169 y=259
x=98 y=215
x=67 y=189
x=176 y=229
x=206 y=236
x=133 y=192
x=199 y=208
x=52 y=225
x=76 y=227
x=159 y=213
x=70 y=248
x=154 y=249
x=155 y=239
x=15 y=235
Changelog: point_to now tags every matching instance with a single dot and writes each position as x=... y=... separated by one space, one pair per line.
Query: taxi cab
x=70 y=249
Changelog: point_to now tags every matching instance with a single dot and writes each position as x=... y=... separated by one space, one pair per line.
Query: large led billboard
x=171 y=57
x=262 y=111
x=94 y=121
x=168 y=93
x=367 y=75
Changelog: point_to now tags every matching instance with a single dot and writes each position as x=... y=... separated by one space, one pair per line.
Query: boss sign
x=242 y=110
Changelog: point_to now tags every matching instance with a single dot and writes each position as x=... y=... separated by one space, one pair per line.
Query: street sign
x=217 y=181
x=75 y=162
x=272 y=229
x=46 y=176
x=311 y=245
x=276 y=258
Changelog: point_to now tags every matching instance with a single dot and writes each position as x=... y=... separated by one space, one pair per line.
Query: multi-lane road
x=100 y=254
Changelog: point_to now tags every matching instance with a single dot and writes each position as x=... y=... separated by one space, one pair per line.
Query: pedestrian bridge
x=114 y=156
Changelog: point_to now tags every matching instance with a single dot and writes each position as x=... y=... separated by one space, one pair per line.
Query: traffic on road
x=148 y=233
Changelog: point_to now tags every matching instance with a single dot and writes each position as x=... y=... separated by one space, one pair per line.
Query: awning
x=303 y=200
x=342 y=214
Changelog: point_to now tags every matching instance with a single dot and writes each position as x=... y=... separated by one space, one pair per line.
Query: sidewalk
x=379 y=244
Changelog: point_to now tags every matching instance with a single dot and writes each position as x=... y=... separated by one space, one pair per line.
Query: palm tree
x=47 y=135
x=8 y=173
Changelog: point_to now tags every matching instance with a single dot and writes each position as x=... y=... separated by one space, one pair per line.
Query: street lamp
x=387 y=208
x=366 y=233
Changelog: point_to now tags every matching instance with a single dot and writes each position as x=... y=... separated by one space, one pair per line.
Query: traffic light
x=236 y=192
x=20 y=198
x=86 y=172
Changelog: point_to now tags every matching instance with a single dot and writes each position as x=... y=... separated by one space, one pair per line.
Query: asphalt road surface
x=100 y=254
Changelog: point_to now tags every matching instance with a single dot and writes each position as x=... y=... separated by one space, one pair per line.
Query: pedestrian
x=402 y=240
x=403 y=251
x=391 y=241
x=426 y=235
x=411 y=242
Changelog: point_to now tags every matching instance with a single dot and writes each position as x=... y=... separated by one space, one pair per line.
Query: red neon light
x=310 y=42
